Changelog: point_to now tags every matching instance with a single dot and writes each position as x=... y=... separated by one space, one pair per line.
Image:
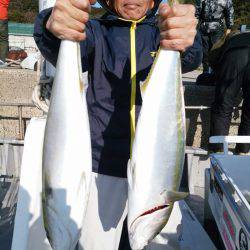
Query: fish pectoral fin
x=82 y=180
x=130 y=172
x=143 y=86
x=173 y=196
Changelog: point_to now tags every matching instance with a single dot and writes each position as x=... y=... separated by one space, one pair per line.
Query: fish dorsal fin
x=144 y=85
x=173 y=196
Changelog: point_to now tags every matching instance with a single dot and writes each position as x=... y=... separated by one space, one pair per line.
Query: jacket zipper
x=133 y=83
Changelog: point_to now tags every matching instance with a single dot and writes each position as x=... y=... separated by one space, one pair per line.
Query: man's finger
x=183 y=9
x=177 y=22
x=164 y=10
x=72 y=35
x=176 y=44
x=81 y=4
x=177 y=34
x=75 y=25
x=78 y=14
x=177 y=10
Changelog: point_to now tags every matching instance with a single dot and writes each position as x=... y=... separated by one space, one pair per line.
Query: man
x=231 y=64
x=211 y=15
x=231 y=76
x=4 y=43
x=124 y=40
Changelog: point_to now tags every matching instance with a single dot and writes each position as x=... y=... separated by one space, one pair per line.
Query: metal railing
x=19 y=106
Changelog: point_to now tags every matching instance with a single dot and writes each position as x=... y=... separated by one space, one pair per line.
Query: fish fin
x=173 y=196
x=130 y=172
x=81 y=85
x=143 y=87
x=82 y=180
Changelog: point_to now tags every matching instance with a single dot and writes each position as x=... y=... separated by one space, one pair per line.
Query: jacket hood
x=151 y=12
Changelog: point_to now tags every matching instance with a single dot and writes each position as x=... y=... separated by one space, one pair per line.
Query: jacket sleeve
x=229 y=14
x=192 y=57
x=49 y=45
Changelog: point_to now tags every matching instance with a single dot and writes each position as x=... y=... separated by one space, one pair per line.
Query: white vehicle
x=228 y=194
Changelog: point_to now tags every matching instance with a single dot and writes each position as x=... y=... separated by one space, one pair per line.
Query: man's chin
x=133 y=17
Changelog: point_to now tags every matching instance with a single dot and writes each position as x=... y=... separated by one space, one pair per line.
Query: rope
x=41 y=94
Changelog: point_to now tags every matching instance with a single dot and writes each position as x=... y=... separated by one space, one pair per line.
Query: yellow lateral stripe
x=133 y=84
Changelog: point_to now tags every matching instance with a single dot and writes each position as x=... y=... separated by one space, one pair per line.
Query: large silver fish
x=67 y=152
x=155 y=168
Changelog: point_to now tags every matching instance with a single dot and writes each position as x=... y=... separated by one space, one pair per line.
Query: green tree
x=23 y=11
x=241 y=12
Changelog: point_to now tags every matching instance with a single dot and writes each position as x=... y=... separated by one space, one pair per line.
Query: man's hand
x=228 y=31
x=177 y=26
x=68 y=19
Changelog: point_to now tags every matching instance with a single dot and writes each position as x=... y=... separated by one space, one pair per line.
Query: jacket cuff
x=46 y=33
x=47 y=43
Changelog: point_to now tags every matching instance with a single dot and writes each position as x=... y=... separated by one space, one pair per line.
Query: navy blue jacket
x=106 y=56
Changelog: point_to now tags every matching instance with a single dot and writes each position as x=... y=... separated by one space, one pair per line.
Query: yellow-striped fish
x=67 y=160
x=155 y=168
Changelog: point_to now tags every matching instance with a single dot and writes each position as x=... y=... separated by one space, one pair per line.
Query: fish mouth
x=146 y=226
x=150 y=211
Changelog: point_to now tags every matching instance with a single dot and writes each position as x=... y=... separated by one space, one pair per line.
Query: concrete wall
x=17 y=86
x=24 y=42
